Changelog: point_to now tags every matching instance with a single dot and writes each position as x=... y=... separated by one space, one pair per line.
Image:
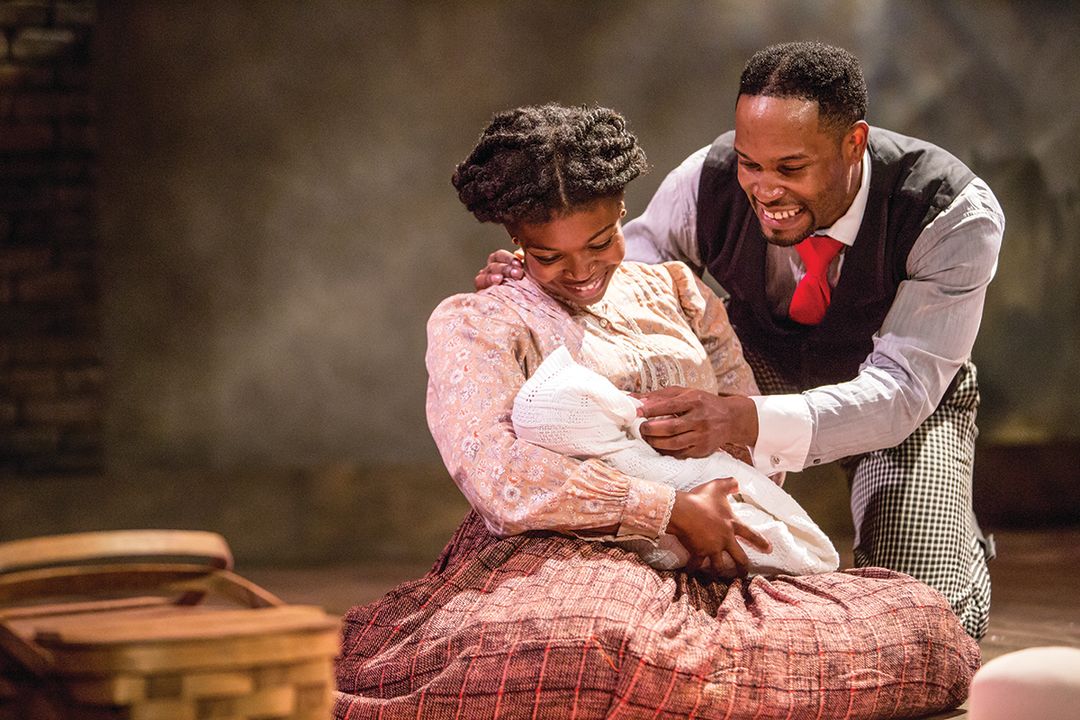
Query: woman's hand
x=703 y=521
x=501 y=264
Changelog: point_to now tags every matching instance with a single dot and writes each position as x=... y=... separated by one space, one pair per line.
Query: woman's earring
x=519 y=254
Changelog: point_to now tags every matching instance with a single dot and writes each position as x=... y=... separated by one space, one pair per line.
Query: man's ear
x=854 y=142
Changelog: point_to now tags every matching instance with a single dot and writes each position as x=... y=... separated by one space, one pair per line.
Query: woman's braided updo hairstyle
x=535 y=162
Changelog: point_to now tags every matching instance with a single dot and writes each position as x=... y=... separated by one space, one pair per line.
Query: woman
x=527 y=613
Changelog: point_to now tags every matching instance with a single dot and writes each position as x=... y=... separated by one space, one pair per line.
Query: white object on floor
x=1041 y=683
x=572 y=410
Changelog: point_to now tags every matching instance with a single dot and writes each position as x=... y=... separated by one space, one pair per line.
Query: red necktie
x=812 y=294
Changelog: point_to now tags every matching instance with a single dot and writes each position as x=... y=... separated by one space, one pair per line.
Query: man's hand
x=501 y=264
x=704 y=523
x=694 y=423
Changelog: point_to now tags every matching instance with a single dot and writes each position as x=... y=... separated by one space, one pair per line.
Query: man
x=857 y=261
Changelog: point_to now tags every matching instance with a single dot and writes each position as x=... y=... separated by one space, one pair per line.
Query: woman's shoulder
x=498 y=303
x=672 y=279
x=662 y=270
x=470 y=304
x=672 y=275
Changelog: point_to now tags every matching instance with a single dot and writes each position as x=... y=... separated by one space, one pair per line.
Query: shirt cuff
x=785 y=428
x=647 y=509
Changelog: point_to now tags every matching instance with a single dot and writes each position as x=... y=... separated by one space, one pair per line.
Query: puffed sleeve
x=478 y=350
x=708 y=319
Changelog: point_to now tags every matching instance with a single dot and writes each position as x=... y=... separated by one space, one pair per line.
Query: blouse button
x=603 y=322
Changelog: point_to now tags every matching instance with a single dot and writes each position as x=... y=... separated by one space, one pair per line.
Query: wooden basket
x=113 y=625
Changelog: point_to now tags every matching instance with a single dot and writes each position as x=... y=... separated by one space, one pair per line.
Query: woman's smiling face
x=574 y=256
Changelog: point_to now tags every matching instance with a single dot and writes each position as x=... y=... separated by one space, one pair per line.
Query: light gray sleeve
x=925 y=338
x=667 y=230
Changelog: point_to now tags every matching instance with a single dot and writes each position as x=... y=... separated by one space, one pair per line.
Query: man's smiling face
x=799 y=174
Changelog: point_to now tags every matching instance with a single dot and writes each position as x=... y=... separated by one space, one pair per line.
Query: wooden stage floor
x=1036 y=590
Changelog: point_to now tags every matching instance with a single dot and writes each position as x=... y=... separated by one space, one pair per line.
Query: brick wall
x=50 y=351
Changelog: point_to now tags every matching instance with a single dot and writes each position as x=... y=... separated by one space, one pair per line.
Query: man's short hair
x=813 y=71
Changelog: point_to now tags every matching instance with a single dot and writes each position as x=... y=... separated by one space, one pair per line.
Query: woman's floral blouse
x=657 y=325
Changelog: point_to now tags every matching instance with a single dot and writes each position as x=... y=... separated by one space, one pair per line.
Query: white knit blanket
x=572 y=410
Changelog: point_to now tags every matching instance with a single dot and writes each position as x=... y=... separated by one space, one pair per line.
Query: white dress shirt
x=925 y=337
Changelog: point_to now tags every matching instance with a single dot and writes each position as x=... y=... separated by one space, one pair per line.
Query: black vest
x=911 y=181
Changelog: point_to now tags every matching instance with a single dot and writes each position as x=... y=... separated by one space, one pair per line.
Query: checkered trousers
x=911 y=504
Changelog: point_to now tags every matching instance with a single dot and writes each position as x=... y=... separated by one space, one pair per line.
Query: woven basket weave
x=125 y=634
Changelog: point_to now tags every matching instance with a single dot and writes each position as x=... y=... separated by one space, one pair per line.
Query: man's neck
x=846 y=227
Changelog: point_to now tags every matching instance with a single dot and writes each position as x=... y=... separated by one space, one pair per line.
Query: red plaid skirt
x=546 y=626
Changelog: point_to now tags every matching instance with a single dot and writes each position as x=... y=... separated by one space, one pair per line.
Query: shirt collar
x=847 y=227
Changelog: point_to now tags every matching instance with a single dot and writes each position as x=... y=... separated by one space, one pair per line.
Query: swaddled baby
x=572 y=410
